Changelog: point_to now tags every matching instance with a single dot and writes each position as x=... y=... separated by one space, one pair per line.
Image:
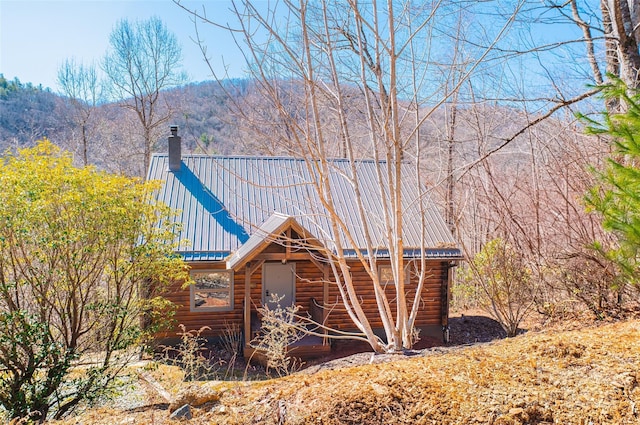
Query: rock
x=194 y=395
x=516 y=411
x=624 y=381
x=183 y=412
x=379 y=389
x=221 y=409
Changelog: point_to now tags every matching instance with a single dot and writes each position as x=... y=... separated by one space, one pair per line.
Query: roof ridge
x=264 y=158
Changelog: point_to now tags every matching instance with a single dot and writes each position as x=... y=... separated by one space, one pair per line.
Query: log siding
x=311 y=285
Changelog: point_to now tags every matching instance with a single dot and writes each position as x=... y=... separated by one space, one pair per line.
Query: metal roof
x=222 y=201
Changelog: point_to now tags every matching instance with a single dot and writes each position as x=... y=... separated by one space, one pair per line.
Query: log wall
x=309 y=284
x=431 y=301
x=215 y=320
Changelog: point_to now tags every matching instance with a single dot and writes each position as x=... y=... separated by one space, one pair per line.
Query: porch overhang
x=269 y=232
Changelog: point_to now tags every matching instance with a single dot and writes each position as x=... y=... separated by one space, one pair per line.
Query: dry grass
x=589 y=376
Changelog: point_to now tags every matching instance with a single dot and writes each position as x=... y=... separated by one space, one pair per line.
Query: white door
x=278 y=279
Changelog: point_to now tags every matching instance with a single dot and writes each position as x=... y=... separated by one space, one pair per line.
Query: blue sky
x=37 y=36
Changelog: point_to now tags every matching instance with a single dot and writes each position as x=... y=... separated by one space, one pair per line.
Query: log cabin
x=252 y=226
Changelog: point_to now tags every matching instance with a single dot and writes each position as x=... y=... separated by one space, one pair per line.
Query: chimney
x=175 y=155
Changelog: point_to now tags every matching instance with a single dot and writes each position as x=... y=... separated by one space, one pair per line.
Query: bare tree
x=606 y=42
x=80 y=84
x=531 y=194
x=144 y=58
x=376 y=62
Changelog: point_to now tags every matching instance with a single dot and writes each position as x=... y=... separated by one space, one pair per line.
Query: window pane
x=211 y=290
x=205 y=299
x=212 y=280
x=386 y=275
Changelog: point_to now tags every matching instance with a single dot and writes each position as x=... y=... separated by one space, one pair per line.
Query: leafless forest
x=488 y=117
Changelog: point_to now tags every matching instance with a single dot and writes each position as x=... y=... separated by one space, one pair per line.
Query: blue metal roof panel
x=204 y=256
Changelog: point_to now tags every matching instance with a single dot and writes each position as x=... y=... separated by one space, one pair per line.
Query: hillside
x=569 y=377
x=226 y=117
x=29 y=113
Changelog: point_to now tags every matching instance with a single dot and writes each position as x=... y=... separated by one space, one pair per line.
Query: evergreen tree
x=617 y=197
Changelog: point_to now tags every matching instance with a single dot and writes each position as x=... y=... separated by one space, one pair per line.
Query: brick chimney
x=175 y=154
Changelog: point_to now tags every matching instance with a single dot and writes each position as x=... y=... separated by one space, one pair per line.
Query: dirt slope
x=589 y=376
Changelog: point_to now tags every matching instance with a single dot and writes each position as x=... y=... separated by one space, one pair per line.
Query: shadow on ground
x=463 y=330
x=469 y=329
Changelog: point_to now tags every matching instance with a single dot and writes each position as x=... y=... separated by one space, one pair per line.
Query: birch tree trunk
x=363 y=77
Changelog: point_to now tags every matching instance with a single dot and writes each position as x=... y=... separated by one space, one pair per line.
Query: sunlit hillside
x=589 y=376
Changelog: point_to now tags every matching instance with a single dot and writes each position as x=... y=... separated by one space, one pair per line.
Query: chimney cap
x=174 y=130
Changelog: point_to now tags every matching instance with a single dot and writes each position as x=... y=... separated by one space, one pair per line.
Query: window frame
x=385 y=283
x=192 y=292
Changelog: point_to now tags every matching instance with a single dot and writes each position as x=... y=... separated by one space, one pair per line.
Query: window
x=212 y=290
x=386 y=276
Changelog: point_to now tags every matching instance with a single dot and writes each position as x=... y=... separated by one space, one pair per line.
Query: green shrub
x=498 y=279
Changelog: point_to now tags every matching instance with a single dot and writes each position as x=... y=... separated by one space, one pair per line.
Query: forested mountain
x=28 y=113
x=229 y=117
x=529 y=192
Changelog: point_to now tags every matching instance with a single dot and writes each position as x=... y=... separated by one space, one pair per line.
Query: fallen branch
x=155 y=386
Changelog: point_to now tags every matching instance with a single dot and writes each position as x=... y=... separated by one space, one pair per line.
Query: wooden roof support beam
x=325 y=299
x=250 y=268
x=287 y=246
